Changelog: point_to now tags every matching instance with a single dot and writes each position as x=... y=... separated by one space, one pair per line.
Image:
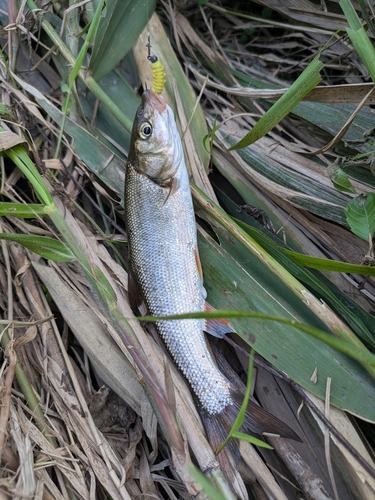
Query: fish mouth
x=154 y=100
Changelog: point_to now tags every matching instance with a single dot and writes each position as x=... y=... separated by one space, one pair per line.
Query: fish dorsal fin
x=217 y=327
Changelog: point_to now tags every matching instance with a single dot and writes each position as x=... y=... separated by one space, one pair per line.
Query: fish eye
x=145 y=130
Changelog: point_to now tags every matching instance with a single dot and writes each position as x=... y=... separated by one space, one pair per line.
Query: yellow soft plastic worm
x=158 y=75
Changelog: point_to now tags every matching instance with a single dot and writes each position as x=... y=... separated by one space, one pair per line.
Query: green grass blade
x=42 y=245
x=241 y=414
x=359 y=38
x=75 y=72
x=89 y=37
x=19 y=156
x=360 y=354
x=308 y=79
x=357 y=318
x=21 y=210
x=252 y=440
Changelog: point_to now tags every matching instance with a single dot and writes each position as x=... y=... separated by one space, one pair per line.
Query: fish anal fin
x=217 y=327
x=134 y=292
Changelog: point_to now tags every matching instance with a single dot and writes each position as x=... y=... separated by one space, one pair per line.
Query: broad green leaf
x=42 y=245
x=118 y=30
x=360 y=215
x=22 y=210
x=236 y=279
x=341 y=182
x=308 y=79
x=359 y=320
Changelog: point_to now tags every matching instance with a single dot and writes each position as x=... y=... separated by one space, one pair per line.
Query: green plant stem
x=82 y=74
x=77 y=68
x=241 y=415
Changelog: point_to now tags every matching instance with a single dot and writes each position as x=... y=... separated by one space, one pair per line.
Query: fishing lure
x=158 y=73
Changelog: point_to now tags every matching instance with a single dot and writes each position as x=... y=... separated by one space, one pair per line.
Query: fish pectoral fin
x=173 y=186
x=134 y=292
x=217 y=327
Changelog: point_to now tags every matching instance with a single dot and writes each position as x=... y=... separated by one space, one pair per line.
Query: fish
x=165 y=269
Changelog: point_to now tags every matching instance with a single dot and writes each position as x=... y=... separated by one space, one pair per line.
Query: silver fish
x=165 y=262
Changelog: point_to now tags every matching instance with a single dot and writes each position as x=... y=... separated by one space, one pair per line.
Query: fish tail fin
x=257 y=421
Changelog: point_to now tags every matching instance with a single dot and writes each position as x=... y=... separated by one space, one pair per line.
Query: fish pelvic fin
x=217 y=327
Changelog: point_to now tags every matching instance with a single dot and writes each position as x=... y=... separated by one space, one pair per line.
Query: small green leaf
x=341 y=182
x=42 y=245
x=360 y=215
x=252 y=440
x=21 y=210
x=64 y=87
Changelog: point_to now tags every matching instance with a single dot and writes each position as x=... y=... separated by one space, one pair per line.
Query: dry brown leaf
x=9 y=139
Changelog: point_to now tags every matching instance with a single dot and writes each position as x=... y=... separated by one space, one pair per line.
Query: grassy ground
x=275 y=106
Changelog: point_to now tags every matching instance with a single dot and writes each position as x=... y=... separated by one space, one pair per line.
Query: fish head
x=157 y=150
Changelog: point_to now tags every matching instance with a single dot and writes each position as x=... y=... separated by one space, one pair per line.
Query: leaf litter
x=68 y=433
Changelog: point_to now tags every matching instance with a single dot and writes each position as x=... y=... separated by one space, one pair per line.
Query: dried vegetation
x=92 y=406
